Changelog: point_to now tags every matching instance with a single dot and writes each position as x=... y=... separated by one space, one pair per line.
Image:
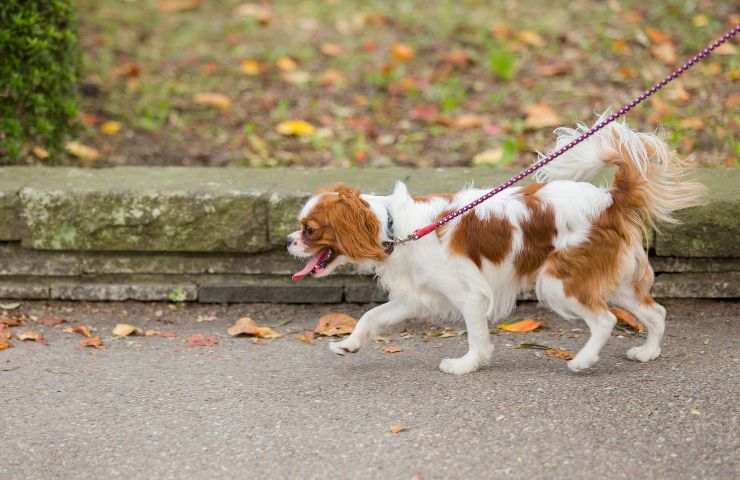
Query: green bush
x=39 y=64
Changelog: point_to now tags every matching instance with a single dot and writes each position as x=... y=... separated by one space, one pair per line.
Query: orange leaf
x=541 y=115
x=286 y=64
x=83 y=330
x=521 y=326
x=531 y=38
x=125 y=330
x=335 y=325
x=251 y=67
x=402 y=52
x=331 y=77
x=392 y=349
x=308 y=337
x=94 y=342
x=692 y=123
x=83 y=152
x=127 y=69
x=173 y=6
x=40 y=152
x=656 y=36
x=214 y=100
x=397 y=428
x=331 y=49
x=50 y=321
x=200 y=340
x=559 y=353
x=4 y=344
x=159 y=333
x=247 y=326
x=626 y=318
x=469 y=120
x=458 y=58
x=32 y=336
x=111 y=127
x=261 y=13
x=665 y=52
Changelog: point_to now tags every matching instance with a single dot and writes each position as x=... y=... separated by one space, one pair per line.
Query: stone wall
x=216 y=235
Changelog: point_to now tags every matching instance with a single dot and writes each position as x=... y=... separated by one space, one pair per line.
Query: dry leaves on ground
x=446 y=333
x=83 y=330
x=125 y=330
x=308 y=337
x=297 y=128
x=215 y=100
x=31 y=335
x=522 y=326
x=174 y=6
x=200 y=340
x=402 y=52
x=160 y=333
x=541 y=115
x=247 y=326
x=397 y=428
x=83 y=152
x=12 y=319
x=554 y=352
x=50 y=321
x=94 y=342
x=392 y=349
x=335 y=325
x=626 y=318
x=4 y=337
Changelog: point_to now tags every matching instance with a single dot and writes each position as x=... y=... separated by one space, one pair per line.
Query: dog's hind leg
x=634 y=295
x=598 y=318
x=480 y=349
x=372 y=323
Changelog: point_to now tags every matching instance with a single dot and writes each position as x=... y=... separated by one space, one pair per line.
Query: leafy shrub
x=39 y=63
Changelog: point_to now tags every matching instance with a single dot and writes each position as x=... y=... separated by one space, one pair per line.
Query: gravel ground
x=151 y=407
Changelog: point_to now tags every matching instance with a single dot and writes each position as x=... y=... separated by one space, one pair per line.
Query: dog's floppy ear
x=356 y=227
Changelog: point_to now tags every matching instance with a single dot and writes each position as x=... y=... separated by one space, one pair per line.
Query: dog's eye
x=307 y=231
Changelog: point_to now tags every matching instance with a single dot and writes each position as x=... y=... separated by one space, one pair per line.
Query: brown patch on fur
x=432 y=197
x=475 y=238
x=345 y=223
x=538 y=233
x=643 y=281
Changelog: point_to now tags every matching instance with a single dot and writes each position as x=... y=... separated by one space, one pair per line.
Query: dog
x=579 y=246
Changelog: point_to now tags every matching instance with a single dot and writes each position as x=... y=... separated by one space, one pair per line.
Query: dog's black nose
x=288 y=242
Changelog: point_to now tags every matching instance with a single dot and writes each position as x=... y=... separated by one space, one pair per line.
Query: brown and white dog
x=578 y=245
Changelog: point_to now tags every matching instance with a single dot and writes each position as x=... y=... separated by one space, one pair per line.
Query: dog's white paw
x=460 y=366
x=582 y=362
x=347 y=345
x=643 y=353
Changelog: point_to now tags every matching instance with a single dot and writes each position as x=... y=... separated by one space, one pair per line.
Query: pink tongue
x=297 y=276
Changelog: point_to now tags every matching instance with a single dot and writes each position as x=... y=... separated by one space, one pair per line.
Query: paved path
x=152 y=408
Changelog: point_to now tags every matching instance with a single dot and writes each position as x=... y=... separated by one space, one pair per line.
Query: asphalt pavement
x=155 y=408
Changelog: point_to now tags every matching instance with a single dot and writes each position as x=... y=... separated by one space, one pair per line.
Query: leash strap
x=421 y=232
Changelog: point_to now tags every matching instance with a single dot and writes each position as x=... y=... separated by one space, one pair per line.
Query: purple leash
x=420 y=232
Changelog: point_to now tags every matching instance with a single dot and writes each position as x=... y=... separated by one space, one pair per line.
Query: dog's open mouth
x=316 y=264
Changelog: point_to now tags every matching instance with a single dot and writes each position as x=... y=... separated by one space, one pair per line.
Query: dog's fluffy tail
x=650 y=182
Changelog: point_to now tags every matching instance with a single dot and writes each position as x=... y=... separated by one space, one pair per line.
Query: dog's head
x=337 y=227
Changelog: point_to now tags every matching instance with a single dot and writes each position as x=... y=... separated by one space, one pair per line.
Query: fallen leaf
x=531 y=38
x=446 y=333
x=331 y=49
x=247 y=326
x=468 y=120
x=200 y=340
x=427 y=112
x=4 y=332
x=214 y=100
x=458 y=58
x=541 y=115
x=111 y=127
x=11 y=321
x=522 y=326
x=94 y=342
x=621 y=47
x=692 y=123
x=286 y=64
x=678 y=93
x=700 y=20
x=402 y=52
x=559 y=353
x=160 y=333
x=125 y=330
x=10 y=306
x=307 y=337
x=83 y=330
x=298 y=128
x=626 y=318
x=261 y=13
x=40 y=152
x=331 y=77
x=658 y=37
x=665 y=52
x=335 y=325
x=392 y=349
x=127 y=69
x=82 y=152
x=174 y=6
x=4 y=344
x=250 y=66
x=31 y=335
x=733 y=101
x=552 y=69
x=397 y=428
x=298 y=77
x=50 y=321
x=626 y=72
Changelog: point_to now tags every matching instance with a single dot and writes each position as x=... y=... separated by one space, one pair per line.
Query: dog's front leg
x=370 y=324
x=480 y=348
